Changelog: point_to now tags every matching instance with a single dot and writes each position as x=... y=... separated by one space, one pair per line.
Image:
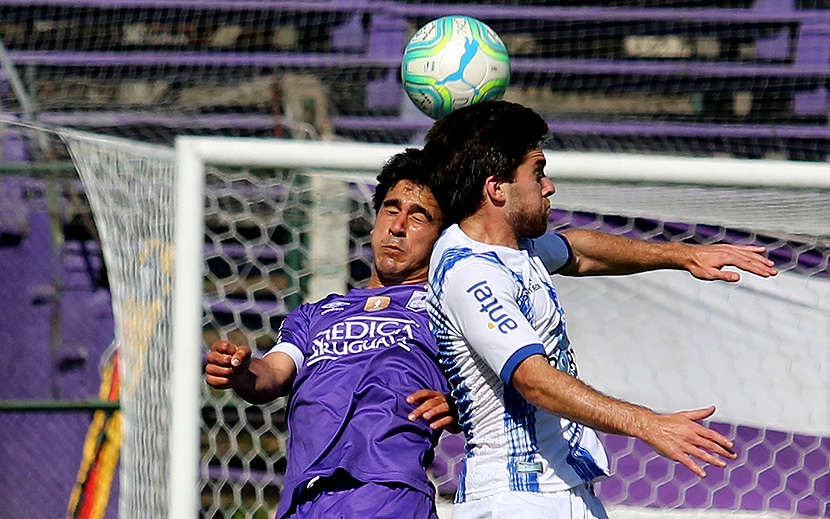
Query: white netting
x=744 y=78
x=131 y=192
x=260 y=254
x=756 y=349
x=803 y=211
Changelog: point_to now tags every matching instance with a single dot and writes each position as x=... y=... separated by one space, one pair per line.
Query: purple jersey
x=358 y=357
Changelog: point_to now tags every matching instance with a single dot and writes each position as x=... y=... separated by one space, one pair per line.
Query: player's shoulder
x=332 y=302
x=455 y=251
x=467 y=274
x=454 y=245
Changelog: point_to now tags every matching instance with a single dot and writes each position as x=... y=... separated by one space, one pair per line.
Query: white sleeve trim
x=290 y=350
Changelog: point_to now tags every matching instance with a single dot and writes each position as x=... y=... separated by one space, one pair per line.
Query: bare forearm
x=262 y=383
x=677 y=436
x=597 y=253
x=563 y=395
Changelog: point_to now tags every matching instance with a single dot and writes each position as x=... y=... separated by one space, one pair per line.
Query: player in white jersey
x=528 y=420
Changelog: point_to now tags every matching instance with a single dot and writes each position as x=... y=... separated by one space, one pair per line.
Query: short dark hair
x=406 y=165
x=472 y=143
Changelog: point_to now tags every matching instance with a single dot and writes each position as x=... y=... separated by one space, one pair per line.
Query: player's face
x=527 y=208
x=406 y=227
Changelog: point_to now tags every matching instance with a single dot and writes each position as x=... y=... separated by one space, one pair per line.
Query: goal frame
x=193 y=154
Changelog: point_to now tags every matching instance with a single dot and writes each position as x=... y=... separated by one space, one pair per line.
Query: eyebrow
x=415 y=208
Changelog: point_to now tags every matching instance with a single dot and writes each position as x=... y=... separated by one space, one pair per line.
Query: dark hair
x=406 y=165
x=472 y=143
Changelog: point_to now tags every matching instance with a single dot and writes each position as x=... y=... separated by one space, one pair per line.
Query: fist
x=226 y=364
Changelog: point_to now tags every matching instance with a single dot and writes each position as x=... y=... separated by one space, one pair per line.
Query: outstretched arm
x=597 y=253
x=676 y=436
x=258 y=381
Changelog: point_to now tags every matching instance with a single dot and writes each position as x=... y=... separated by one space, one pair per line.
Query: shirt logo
x=491 y=306
x=533 y=287
x=334 y=306
x=361 y=334
x=375 y=303
x=417 y=302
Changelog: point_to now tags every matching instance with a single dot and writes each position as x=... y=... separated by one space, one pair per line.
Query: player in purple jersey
x=357 y=367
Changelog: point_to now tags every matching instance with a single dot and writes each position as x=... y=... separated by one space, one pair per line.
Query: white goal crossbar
x=195 y=153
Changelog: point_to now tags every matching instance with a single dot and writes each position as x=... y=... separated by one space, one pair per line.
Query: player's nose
x=547 y=187
x=398 y=225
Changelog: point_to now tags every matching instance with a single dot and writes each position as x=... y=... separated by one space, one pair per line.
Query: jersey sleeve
x=553 y=249
x=293 y=336
x=481 y=302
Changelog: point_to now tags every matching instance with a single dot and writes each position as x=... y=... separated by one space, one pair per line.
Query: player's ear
x=493 y=188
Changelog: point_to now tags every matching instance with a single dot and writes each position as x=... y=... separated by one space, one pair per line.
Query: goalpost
x=192 y=156
x=582 y=180
x=258 y=224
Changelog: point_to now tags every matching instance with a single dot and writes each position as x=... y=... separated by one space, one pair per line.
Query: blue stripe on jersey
x=561 y=356
x=520 y=428
x=440 y=329
x=579 y=458
x=461 y=491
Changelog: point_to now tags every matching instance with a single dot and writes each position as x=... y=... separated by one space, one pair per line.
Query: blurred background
x=745 y=79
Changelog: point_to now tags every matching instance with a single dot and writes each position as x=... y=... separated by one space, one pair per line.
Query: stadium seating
x=742 y=78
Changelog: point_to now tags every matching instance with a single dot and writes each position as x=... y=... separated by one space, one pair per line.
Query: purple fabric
x=348 y=499
x=348 y=408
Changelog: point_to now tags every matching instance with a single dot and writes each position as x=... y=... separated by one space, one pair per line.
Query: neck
x=491 y=229
x=378 y=280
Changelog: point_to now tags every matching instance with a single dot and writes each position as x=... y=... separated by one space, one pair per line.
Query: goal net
x=743 y=78
x=704 y=78
x=260 y=226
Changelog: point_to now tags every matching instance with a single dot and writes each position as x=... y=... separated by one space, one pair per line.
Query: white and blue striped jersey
x=491 y=307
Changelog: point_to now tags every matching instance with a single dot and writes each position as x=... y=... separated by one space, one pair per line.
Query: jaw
x=388 y=272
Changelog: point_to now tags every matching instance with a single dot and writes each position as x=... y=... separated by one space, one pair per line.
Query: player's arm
x=597 y=253
x=514 y=351
x=676 y=436
x=258 y=381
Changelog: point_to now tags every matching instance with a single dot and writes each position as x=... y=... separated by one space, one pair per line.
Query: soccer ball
x=452 y=62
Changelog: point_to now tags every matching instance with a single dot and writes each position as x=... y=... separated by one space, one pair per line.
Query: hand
x=436 y=407
x=679 y=437
x=227 y=364
x=707 y=261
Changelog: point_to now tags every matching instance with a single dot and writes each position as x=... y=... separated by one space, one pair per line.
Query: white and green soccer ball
x=452 y=62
